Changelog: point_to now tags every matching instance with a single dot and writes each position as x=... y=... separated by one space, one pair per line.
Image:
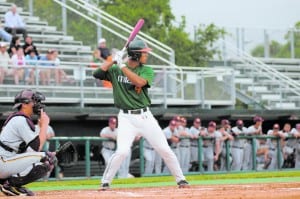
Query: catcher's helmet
x=26 y=96
x=136 y=48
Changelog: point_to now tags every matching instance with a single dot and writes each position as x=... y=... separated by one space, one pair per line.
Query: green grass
x=197 y=179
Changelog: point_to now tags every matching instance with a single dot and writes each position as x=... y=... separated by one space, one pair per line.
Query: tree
x=159 y=23
x=278 y=50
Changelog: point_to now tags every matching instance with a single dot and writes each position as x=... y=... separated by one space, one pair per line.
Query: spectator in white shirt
x=18 y=62
x=4 y=61
x=14 y=23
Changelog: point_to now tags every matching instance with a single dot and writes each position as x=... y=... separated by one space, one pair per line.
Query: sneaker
x=24 y=191
x=9 y=190
x=183 y=184
x=104 y=187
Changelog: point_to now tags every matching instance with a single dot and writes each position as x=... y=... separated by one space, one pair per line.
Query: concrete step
x=271 y=97
x=285 y=105
x=243 y=80
x=258 y=89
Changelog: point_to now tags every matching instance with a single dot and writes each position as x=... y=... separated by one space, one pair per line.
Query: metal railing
x=259 y=68
x=87 y=147
x=98 y=16
x=198 y=86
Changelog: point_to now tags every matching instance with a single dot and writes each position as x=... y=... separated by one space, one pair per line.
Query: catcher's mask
x=26 y=96
x=136 y=48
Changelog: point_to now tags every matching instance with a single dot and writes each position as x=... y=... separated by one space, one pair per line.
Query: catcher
x=21 y=161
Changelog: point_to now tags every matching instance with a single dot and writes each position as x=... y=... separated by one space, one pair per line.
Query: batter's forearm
x=134 y=78
x=100 y=72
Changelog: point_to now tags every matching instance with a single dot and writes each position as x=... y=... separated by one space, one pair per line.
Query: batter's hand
x=118 y=59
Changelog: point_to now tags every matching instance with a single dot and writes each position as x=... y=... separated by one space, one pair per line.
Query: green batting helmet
x=136 y=48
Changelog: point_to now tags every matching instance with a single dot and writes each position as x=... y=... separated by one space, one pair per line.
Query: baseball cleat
x=9 y=190
x=24 y=191
x=183 y=184
x=104 y=187
x=15 y=191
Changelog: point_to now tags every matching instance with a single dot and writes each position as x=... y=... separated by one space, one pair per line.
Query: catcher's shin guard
x=38 y=171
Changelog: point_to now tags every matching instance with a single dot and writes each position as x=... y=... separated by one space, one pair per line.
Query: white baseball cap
x=102 y=40
x=3 y=44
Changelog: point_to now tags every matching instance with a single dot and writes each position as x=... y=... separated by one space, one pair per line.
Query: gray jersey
x=238 y=143
x=169 y=134
x=185 y=141
x=216 y=135
x=50 y=132
x=194 y=131
x=251 y=130
x=14 y=133
x=272 y=143
x=292 y=142
x=110 y=144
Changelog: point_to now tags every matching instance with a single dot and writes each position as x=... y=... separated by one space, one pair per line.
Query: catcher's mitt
x=66 y=155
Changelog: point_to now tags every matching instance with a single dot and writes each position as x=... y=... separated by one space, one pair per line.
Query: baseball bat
x=134 y=32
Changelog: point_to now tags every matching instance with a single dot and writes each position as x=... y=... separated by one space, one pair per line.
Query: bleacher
x=46 y=37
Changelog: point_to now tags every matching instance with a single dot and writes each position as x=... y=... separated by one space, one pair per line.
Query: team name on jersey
x=123 y=79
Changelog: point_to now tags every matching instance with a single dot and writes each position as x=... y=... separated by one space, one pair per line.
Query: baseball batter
x=130 y=89
x=21 y=161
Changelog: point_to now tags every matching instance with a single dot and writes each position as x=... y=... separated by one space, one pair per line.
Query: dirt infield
x=247 y=191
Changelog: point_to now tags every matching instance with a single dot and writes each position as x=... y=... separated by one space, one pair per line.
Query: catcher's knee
x=37 y=171
x=49 y=160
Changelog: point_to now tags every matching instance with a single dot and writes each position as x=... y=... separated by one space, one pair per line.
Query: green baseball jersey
x=126 y=95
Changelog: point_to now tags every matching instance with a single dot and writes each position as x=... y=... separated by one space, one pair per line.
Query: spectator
x=31 y=61
x=18 y=63
x=49 y=62
x=29 y=46
x=14 y=45
x=255 y=129
x=211 y=147
x=273 y=147
x=195 y=131
x=104 y=55
x=153 y=161
x=184 y=145
x=4 y=62
x=4 y=35
x=288 y=147
x=109 y=146
x=237 y=147
x=60 y=74
x=104 y=52
x=263 y=159
x=296 y=133
x=14 y=23
x=225 y=137
x=172 y=136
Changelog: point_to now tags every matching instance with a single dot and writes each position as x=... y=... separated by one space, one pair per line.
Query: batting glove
x=118 y=59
